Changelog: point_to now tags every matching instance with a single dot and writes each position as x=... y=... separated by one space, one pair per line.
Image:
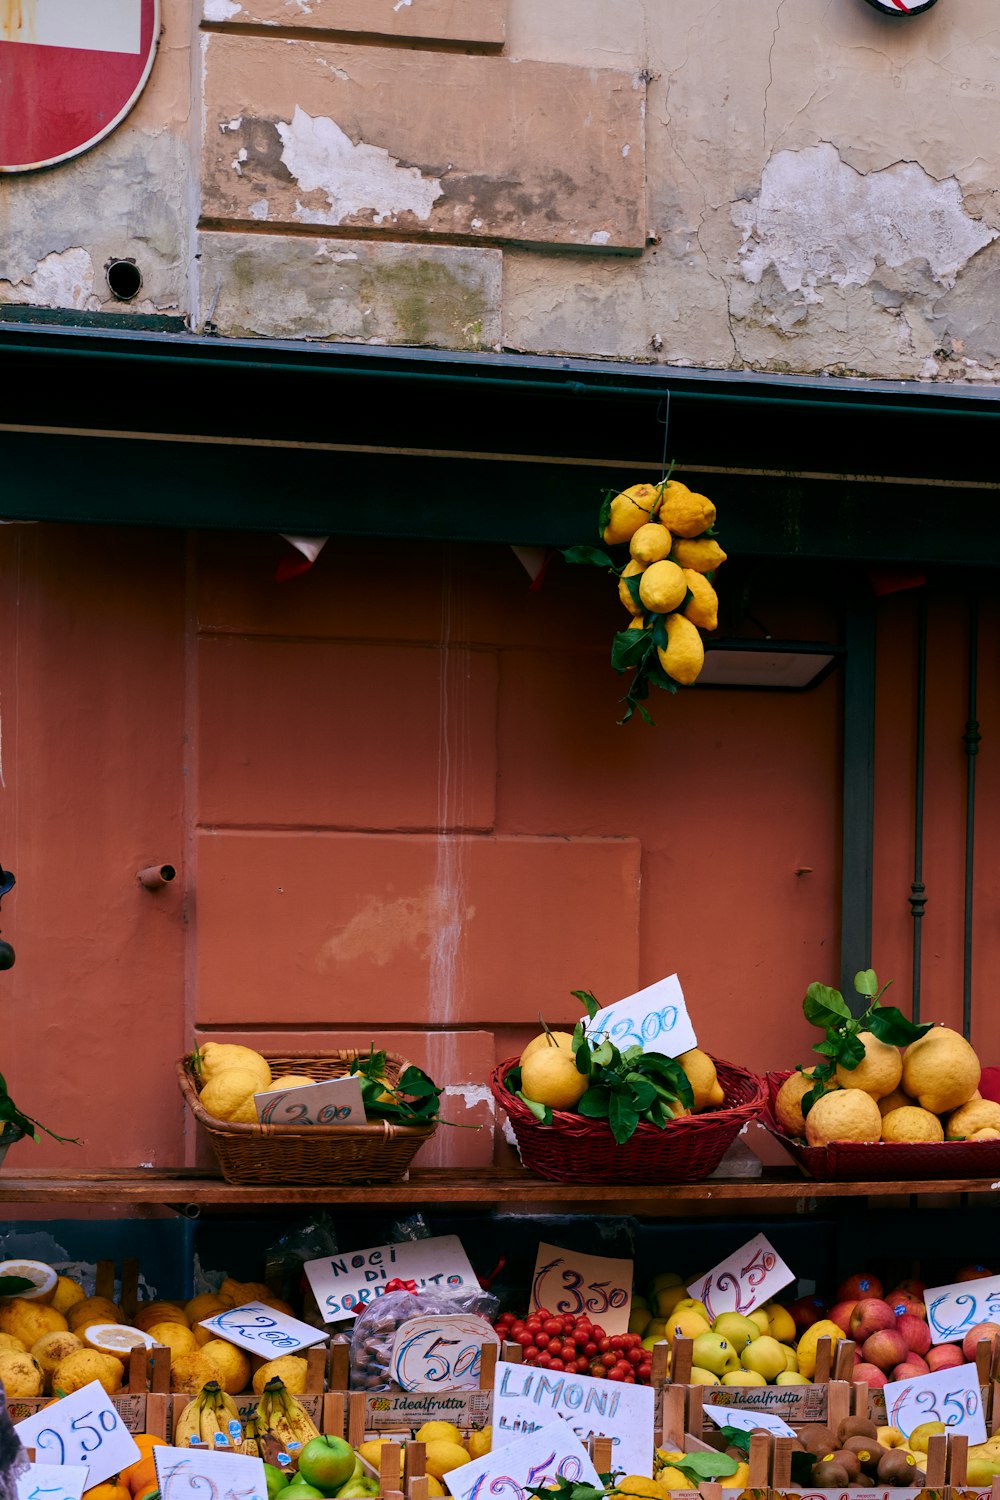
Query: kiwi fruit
x=847 y=1459
x=828 y=1475
x=896 y=1467
x=856 y=1427
x=819 y=1441
x=868 y=1450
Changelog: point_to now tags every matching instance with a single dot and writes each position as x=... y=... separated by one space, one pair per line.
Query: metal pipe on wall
x=970 y=739
x=918 y=898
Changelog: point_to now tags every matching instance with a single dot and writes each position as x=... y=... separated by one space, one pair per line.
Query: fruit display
x=883 y=1078
x=858 y=1454
x=666 y=585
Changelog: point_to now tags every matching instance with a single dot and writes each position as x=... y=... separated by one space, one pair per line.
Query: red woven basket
x=575 y=1149
x=886 y=1161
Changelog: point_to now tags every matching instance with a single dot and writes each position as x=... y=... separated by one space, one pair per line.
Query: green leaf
x=828 y=1048
x=11 y=1285
x=415 y=1081
x=706 y=1465
x=541 y=1112
x=736 y=1438
x=824 y=1006
x=622 y=1117
x=802 y=1466
x=643 y=1092
x=632 y=584
x=513 y=1081
x=866 y=983
x=629 y=648
x=589 y=1002
x=595 y=1103
x=851 y=1053
x=583 y=1055
x=888 y=1023
x=660 y=632
x=603 y=1054
x=592 y=555
x=657 y=1115
x=604 y=516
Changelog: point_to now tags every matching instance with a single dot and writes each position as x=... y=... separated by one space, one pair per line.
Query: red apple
x=868 y=1317
x=971 y=1340
x=915 y=1289
x=870 y=1374
x=912 y=1366
x=902 y=1302
x=915 y=1332
x=841 y=1314
x=973 y=1273
x=945 y=1357
x=807 y=1311
x=885 y=1349
x=863 y=1284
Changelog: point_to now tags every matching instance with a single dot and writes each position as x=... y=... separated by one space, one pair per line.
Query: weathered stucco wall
x=760 y=184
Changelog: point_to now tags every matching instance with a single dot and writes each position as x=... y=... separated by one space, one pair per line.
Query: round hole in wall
x=123 y=277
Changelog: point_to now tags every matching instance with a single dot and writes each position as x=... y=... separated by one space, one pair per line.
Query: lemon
x=217 y=1057
x=8 y=1341
x=93 y=1309
x=979 y=1114
x=444 y=1432
x=177 y=1337
x=480 y=1443
x=662 y=587
x=824 y=1329
x=703 y=1377
x=670 y=1478
x=911 y=1123
x=206 y=1305
x=241 y=1292
x=229 y=1095
x=288 y=1368
x=552 y=1077
x=50 y=1349
x=844 y=1115
x=702 y=609
x=84 y=1365
x=920 y=1436
x=232 y=1365
x=116 y=1339
x=896 y=1100
x=940 y=1070
x=788 y=1103
x=67 y=1293
x=160 y=1312
x=986 y=1134
x=638 y=1484
x=637 y=622
x=44 y=1279
x=703 y=555
x=684 y=511
x=548 y=1039
x=27 y=1321
x=371 y=1451
x=631 y=509
x=651 y=543
x=630 y=570
x=684 y=655
x=739 y=1480
x=879 y=1071
x=289 y=1081
x=435 y=1489
x=700 y=1072
x=441 y=1457
x=190 y=1372
x=20 y=1374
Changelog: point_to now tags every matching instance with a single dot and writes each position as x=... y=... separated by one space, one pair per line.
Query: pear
x=765 y=1356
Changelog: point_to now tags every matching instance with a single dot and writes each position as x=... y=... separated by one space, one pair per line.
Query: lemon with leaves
x=684 y=654
x=633 y=508
x=703 y=1078
x=878 y=1072
x=662 y=587
x=684 y=512
x=550 y=1076
x=702 y=609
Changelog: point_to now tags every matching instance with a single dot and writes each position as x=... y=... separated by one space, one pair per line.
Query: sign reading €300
x=71 y=70
x=902 y=7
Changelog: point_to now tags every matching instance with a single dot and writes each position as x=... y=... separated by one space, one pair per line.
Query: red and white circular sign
x=70 y=71
x=902 y=7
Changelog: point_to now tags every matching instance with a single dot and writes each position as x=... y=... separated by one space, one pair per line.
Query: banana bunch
x=252 y=1434
x=286 y=1419
x=210 y=1413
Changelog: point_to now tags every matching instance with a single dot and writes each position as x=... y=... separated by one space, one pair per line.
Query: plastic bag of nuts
x=375 y=1329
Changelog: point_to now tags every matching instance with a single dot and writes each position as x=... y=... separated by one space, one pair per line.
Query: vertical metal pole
x=918 y=899
x=858 y=833
x=970 y=739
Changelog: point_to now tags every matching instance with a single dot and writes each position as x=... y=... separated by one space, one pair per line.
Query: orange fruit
x=139 y=1476
x=111 y=1489
x=151 y=1492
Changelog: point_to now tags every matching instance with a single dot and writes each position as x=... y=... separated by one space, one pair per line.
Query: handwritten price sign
x=526 y=1399
x=52 y=1482
x=654 y=1019
x=744 y=1281
x=443 y=1352
x=82 y=1429
x=953 y=1310
x=259 y=1329
x=345 y=1285
x=597 y=1285
x=336 y=1101
x=553 y=1452
x=949 y=1396
x=182 y=1472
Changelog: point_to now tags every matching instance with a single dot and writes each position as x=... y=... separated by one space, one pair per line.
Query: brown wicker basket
x=575 y=1149
x=263 y=1155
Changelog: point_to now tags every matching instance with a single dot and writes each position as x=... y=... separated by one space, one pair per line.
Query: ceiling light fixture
x=781 y=666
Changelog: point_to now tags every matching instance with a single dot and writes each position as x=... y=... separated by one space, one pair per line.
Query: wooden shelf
x=190 y=1190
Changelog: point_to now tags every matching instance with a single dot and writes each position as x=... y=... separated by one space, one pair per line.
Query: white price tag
x=748 y=1421
x=261 y=1330
x=52 y=1482
x=335 y=1101
x=182 y=1472
x=83 y=1429
x=953 y=1310
x=655 y=1019
x=565 y=1282
x=525 y=1399
x=541 y=1457
x=743 y=1281
x=345 y=1285
x=444 y=1352
x=950 y=1396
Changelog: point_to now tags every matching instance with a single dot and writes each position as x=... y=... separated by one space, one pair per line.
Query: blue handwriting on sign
x=633 y=1031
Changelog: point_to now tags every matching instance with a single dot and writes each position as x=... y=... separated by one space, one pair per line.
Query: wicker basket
x=575 y=1149
x=265 y=1155
x=886 y=1161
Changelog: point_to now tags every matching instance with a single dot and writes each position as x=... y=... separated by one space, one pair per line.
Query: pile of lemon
x=446 y=1449
x=928 y=1092
x=550 y=1076
x=229 y=1075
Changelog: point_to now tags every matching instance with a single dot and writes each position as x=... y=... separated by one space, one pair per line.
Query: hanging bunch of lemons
x=666 y=585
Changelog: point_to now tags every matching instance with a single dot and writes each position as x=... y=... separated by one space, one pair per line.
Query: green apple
x=743 y=1377
x=662 y=1279
x=765 y=1356
x=759 y=1316
x=358 y=1489
x=710 y=1351
x=739 y=1330
x=781 y=1323
x=299 y=1490
x=791 y=1377
x=277 y=1479
x=791 y=1358
x=639 y=1319
x=327 y=1462
x=694 y=1305
x=703 y=1377
x=651 y=1340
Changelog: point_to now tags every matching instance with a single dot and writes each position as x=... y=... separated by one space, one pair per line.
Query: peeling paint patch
x=64 y=278
x=258 y=208
x=221 y=10
x=355 y=178
x=818 y=220
x=600 y=237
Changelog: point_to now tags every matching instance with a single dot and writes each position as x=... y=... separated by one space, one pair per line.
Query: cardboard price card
x=953 y=1310
x=744 y=1280
x=565 y=1282
x=655 y=1019
x=441 y=1352
x=950 y=1396
x=83 y=1429
x=261 y=1330
x=345 y=1285
x=553 y=1452
x=749 y=1421
x=182 y=1472
x=52 y=1482
x=526 y=1398
x=335 y=1101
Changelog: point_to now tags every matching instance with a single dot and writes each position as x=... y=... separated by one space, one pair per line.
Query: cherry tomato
x=636 y=1356
x=553 y=1325
x=555 y=1349
x=618 y=1341
x=542 y=1340
x=604 y=1344
x=557 y=1364
x=531 y=1354
x=541 y=1312
x=516 y=1328
x=597 y=1332
x=615 y=1374
x=590 y=1348
x=544 y=1360
x=582 y=1365
x=524 y=1338
x=629 y=1379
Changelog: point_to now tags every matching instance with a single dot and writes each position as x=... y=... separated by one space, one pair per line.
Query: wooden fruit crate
x=398 y=1413
x=796 y=1403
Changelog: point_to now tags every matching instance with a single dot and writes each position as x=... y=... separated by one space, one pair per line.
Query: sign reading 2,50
x=49 y=1440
